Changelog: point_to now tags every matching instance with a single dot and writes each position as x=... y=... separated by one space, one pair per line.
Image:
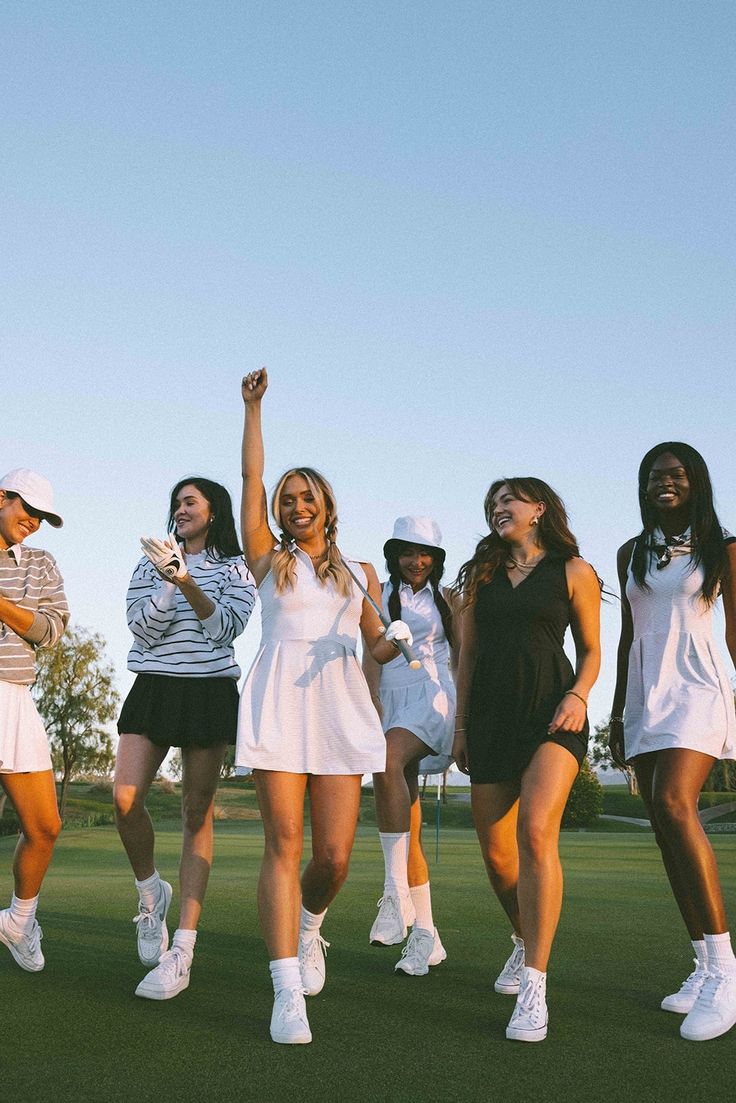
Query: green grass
x=75 y=1031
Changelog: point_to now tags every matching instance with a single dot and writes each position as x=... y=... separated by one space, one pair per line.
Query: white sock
x=421 y=898
x=308 y=921
x=720 y=952
x=700 y=951
x=184 y=940
x=23 y=913
x=395 y=846
x=285 y=973
x=149 y=891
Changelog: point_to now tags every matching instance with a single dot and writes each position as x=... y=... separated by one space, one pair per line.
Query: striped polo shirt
x=169 y=637
x=30 y=578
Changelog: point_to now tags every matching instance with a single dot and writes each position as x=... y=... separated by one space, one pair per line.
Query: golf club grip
x=404 y=648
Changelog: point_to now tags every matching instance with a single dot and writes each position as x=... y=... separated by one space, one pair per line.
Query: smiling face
x=17 y=520
x=192 y=517
x=512 y=518
x=668 y=486
x=302 y=512
x=415 y=565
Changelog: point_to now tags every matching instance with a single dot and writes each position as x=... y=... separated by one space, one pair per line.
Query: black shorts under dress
x=175 y=711
x=521 y=672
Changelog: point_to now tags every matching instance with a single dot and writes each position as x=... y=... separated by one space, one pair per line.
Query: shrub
x=585 y=803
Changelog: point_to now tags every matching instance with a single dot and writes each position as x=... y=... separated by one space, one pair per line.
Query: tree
x=585 y=803
x=75 y=695
x=600 y=757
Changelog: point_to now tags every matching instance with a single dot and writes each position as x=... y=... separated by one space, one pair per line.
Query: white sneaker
x=153 y=934
x=529 y=1020
x=25 y=948
x=168 y=979
x=714 y=1011
x=507 y=981
x=289 y=1024
x=312 y=954
x=414 y=960
x=683 y=1001
x=439 y=953
x=395 y=916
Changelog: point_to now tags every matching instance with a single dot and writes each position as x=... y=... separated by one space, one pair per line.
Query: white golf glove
x=166 y=556
x=397 y=631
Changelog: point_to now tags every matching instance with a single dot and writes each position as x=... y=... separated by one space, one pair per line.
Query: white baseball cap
x=35 y=490
x=416 y=530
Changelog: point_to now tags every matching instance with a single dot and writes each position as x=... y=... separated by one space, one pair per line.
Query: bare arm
x=728 y=591
x=381 y=650
x=585 y=623
x=466 y=631
x=452 y=600
x=616 y=728
x=258 y=540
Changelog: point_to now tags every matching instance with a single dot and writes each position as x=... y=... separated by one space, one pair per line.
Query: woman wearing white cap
x=33 y=613
x=418 y=712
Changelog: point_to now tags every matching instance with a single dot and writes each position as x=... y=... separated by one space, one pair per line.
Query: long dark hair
x=708 y=543
x=221 y=541
x=553 y=533
x=396 y=549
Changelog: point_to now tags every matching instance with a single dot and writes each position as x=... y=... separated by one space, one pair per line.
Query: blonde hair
x=283 y=564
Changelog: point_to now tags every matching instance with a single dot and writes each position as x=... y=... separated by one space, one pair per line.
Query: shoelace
x=147 y=922
x=711 y=989
x=515 y=962
x=388 y=904
x=695 y=980
x=293 y=1007
x=530 y=1001
x=172 y=963
x=312 y=946
x=34 y=938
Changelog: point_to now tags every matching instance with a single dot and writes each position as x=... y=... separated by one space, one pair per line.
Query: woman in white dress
x=306 y=718
x=417 y=708
x=673 y=707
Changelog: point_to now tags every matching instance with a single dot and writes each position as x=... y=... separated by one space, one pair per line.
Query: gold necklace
x=526 y=566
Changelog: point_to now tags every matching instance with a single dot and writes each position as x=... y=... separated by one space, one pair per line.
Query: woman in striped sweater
x=189 y=597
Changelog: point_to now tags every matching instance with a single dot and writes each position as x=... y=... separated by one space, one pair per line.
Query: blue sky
x=468 y=240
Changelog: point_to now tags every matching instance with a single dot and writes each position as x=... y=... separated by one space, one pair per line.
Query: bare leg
x=393 y=799
x=34 y=798
x=418 y=870
x=670 y=783
x=136 y=765
x=202 y=766
x=545 y=787
x=281 y=801
x=495 y=812
x=334 y=802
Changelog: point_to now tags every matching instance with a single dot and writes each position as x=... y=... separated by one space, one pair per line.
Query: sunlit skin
x=192 y=518
x=32 y=794
x=415 y=565
x=668 y=490
x=303 y=516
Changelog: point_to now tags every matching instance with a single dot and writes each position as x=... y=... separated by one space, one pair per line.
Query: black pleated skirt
x=181 y=712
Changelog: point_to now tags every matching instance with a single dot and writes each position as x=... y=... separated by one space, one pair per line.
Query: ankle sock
x=421 y=898
x=720 y=952
x=701 y=953
x=285 y=973
x=309 y=921
x=23 y=913
x=395 y=846
x=184 y=940
x=149 y=891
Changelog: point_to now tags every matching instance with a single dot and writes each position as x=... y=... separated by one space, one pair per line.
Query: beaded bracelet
x=572 y=693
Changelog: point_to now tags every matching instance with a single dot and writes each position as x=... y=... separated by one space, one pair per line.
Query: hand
x=167 y=557
x=569 y=715
x=399 y=630
x=616 y=743
x=460 y=752
x=254 y=385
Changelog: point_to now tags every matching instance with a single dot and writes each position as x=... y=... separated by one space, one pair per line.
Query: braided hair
x=283 y=564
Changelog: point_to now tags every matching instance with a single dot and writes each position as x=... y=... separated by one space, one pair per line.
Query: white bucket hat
x=35 y=490
x=416 y=530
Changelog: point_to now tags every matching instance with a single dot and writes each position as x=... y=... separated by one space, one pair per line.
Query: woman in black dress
x=521 y=728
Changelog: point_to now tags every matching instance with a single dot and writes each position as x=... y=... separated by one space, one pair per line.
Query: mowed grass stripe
x=76 y=1031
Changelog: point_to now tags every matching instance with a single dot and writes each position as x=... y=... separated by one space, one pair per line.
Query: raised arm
x=616 y=727
x=258 y=540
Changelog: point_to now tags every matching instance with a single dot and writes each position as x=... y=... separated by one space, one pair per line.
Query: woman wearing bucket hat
x=33 y=614
x=417 y=708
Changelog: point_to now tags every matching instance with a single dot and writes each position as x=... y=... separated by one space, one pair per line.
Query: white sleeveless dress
x=678 y=692
x=305 y=707
x=423 y=700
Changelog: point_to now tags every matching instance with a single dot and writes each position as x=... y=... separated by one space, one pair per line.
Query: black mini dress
x=521 y=672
